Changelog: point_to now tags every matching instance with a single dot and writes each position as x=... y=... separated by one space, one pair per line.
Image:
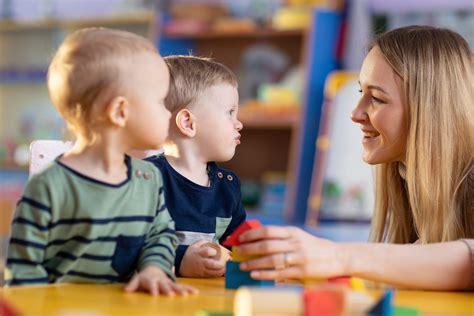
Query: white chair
x=43 y=152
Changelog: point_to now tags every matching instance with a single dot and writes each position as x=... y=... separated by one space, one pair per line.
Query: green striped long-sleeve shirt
x=71 y=228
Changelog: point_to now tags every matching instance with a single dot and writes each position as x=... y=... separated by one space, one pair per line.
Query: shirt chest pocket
x=221 y=226
x=127 y=251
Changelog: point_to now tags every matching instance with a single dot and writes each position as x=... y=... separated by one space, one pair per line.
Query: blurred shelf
x=9 y=165
x=23 y=76
x=257 y=33
x=254 y=114
x=8 y=168
x=410 y=6
x=52 y=23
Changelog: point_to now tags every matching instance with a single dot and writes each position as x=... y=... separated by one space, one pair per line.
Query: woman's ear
x=117 y=111
x=186 y=123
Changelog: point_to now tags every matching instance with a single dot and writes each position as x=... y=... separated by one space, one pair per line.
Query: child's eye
x=360 y=90
x=231 y=112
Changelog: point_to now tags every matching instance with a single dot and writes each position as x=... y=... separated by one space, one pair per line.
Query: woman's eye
x=360 y=90
x=377 y=100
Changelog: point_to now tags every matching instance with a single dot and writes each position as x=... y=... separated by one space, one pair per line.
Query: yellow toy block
x=240 y=257
x=357 y=284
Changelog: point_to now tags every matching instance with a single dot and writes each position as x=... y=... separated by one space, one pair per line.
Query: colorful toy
x=233 y=239
x=222 y=254
x=384 y=306
x=279 y=300
x=351 y=282
x=234 y=277
x=323 y=301
x=7 y=309
x=405 y=311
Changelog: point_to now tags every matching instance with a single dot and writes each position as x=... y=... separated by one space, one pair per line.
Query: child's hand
x=152 y=279
x=199 y=261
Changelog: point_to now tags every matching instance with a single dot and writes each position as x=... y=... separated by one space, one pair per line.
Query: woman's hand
x=290 y=253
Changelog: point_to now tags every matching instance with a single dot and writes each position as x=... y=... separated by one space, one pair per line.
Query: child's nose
x=239 y=126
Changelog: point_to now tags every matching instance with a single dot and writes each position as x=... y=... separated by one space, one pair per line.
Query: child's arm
x=155 y=264
x=160 y=244
x=29 y=238
x=178 y=261
x=152 y=279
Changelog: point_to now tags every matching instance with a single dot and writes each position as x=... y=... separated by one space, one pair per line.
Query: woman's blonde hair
x=430 y=198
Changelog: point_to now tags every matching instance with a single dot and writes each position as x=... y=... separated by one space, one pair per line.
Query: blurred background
x=296 y=60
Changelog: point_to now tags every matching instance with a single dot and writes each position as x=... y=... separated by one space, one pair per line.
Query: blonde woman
x=417 y=118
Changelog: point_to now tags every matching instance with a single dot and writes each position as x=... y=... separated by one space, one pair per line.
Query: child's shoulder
x=158 y=160
x=223 y=174
x=50 y=172
x=49 y=176
x=143 y=167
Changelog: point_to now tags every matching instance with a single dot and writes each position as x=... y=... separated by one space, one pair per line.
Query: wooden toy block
x=358 y=284
x=384 y=306
x=234 y=277
x=7 y=310
x=353 y=283
x=239 y=257
x=343 y=280
x=279 y=300
x=222 y=254
x=323 y=301
x=233 y=239
x=357 y=302
x=405 y=311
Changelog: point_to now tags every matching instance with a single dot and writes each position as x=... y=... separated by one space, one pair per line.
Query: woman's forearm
x=441 y=266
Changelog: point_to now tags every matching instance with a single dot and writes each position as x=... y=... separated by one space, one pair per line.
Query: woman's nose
x=359 y=114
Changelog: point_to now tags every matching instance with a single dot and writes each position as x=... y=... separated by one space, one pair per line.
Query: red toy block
x=7 y=310
x=343 y=280
x=233 y=239
x=323 y=302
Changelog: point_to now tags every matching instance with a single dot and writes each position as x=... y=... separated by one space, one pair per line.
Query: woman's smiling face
x=381 y=111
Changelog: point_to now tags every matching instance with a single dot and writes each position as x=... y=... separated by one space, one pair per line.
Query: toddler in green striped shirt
x=93 y=215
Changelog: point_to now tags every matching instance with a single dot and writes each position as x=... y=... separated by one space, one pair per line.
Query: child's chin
x=224 y=158
x=136 y=153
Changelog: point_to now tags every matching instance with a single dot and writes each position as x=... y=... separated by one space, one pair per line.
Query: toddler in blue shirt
x=203 y=199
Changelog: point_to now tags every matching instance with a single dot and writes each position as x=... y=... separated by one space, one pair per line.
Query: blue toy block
x=384 y=305
x=234 y=277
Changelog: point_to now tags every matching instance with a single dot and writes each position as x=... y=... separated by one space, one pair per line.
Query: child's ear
x=118 y=110
x=185 y=122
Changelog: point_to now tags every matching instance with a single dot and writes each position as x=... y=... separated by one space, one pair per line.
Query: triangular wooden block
x=233 y=239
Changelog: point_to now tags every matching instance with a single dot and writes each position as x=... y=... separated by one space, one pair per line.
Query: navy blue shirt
x=210 y=213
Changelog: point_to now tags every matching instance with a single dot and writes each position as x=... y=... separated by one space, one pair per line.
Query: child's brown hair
x=190 y=75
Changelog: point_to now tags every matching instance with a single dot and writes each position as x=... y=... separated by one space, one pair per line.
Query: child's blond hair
x=86 y=71
x=190 y=76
